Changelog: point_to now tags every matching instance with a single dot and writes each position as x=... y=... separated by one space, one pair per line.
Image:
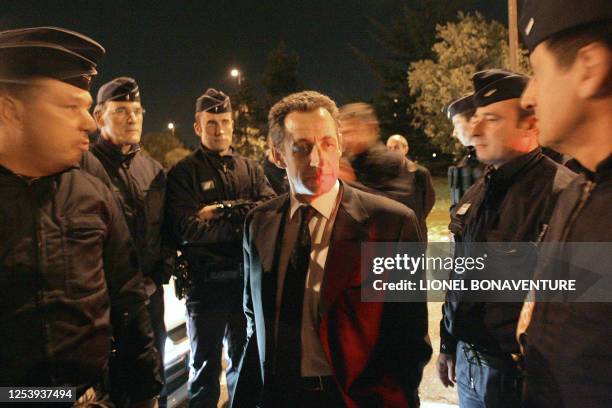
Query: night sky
x=177 y=49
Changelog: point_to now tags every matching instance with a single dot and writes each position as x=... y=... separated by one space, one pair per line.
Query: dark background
x=177 y=49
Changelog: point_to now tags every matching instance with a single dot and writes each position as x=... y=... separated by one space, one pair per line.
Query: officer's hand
x=446 y=369
x=208 y=212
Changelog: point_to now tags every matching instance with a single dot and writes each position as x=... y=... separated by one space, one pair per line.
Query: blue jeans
x=214 y=314
x=482 y=386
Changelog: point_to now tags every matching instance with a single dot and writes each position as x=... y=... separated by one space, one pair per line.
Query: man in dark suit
x=311 y=340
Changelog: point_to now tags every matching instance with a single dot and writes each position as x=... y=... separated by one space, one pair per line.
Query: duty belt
x=498 y=361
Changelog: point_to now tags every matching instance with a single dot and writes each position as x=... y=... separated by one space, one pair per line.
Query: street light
x=171 y=128
x=235 y=73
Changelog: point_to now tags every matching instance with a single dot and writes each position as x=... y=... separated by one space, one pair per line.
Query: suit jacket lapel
x=343 y=257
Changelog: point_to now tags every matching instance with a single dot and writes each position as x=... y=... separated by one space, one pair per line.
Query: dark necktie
x=288 y=350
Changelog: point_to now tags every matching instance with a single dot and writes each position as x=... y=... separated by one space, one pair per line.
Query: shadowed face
x=461 y=130
x=215 y=130
x=397 y=145
x=120 y=122
x=553 y=95
x=310 y=153
x=497 y=133
x=55 y=125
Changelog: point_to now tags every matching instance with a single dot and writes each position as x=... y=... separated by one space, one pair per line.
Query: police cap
x=496 y=85
x=68 y=56
x=122 y=89
x=461 y=105
x=541 y=19
x=213 y=101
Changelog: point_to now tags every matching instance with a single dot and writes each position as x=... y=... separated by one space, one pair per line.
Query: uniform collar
x=210 y=153
x=603 y=170
x=506 y=173
x=114 y=152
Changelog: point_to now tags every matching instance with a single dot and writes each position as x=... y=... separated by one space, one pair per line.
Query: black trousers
x=156 y=311
x=293 y=393
x=214 y=314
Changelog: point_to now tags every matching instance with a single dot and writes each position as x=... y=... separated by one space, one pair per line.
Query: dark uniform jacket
x=510 y=204
x=379 y=170
x=568 y=354
x=213 y=248
x=68 y=271
x=139 y=183
x=463 y=175
x=277 y=177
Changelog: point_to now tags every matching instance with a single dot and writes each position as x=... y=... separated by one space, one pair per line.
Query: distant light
x=170 y=126
x=395 y=115
x=434 y=155
x=395 y=100
x=234 y=73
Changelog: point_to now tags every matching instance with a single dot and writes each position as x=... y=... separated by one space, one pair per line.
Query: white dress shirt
x=314 y=362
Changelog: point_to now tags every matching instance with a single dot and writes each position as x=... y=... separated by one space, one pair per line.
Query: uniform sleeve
x=182 y=206
x=135 y=360
x=429 y=193
x=448 y=344
x=262 y=187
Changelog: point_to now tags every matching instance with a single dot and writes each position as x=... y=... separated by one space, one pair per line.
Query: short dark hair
x=566 y=44
x=305 y=101
x=17 y=90
x=467 y=114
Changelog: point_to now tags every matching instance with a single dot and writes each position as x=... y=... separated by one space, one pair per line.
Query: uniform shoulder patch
x=208 y=185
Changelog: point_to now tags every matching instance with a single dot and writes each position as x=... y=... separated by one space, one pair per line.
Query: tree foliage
x=280 y=76
x=464 y=47
x=408 y=38
x=159 y=144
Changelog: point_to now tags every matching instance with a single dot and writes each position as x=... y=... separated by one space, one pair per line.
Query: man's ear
x=11 y=110
x=278 y=158
x=594 y=70
x=97 y=114
x=197 y=128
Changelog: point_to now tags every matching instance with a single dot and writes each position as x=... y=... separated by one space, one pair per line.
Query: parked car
x=176 y=360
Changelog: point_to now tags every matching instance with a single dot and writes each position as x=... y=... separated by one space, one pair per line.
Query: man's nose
x=315 y=156
x=528 y=100
x=88 y=123
x=475 y=127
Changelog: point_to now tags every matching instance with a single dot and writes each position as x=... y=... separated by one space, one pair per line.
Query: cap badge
x=529 y=26
x=489 y=93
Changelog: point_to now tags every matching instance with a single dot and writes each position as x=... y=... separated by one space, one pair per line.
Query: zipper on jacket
x=586 y=193
x=40 y=293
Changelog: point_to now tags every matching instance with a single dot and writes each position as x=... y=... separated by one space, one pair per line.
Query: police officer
x=567 y=345
x=209 y=194
x=68 y=271
x=139 y=183
x=510 y=203
x=468 y=169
